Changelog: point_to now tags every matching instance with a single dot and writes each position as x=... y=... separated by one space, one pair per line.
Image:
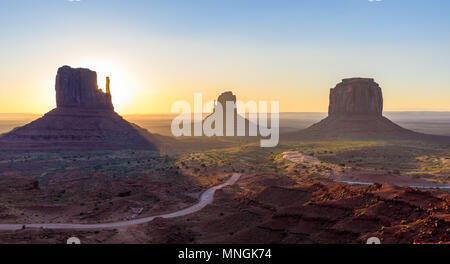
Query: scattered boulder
x=124 y=194
x=32 y=185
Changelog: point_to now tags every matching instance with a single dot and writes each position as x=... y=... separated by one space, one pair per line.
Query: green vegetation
x=417 y=159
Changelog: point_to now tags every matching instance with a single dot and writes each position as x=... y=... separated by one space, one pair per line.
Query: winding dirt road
x=206 y=198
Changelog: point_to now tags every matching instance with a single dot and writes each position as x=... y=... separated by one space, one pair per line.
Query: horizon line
x=287 y=112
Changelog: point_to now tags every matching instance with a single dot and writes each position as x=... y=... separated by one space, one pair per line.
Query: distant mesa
x=83 y=119
x=356 y=111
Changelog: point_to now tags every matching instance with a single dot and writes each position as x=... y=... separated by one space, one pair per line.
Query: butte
x=356 y=111
x=84 y=119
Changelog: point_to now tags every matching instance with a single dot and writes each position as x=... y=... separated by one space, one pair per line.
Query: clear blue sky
x=292 y=51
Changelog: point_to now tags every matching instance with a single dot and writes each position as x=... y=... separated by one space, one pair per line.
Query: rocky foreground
x=267 y=209
x=270 y=209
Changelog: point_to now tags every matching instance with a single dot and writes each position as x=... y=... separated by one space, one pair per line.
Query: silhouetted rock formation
x=227 y=97
x=355 y=111
x=357 y=96
x=222 y=100
x=78 y=88
x=84 y=119
x=108 y=82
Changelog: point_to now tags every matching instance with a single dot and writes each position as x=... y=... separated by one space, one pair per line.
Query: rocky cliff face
x=78 y=88
x=356 y=96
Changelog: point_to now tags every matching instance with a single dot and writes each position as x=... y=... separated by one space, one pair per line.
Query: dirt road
x=206 y=198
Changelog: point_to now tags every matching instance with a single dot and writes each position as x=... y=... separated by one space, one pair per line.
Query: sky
x=158 y=52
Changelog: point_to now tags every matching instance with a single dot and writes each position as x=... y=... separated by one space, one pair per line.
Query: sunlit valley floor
x=298 y=192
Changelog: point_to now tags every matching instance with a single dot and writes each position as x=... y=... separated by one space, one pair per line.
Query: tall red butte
x=83 y=119
x=356 y=111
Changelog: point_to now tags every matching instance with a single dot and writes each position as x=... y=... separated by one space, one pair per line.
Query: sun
x=121 y=83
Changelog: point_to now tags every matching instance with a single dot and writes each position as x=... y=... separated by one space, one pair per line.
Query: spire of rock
x=108 y=81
